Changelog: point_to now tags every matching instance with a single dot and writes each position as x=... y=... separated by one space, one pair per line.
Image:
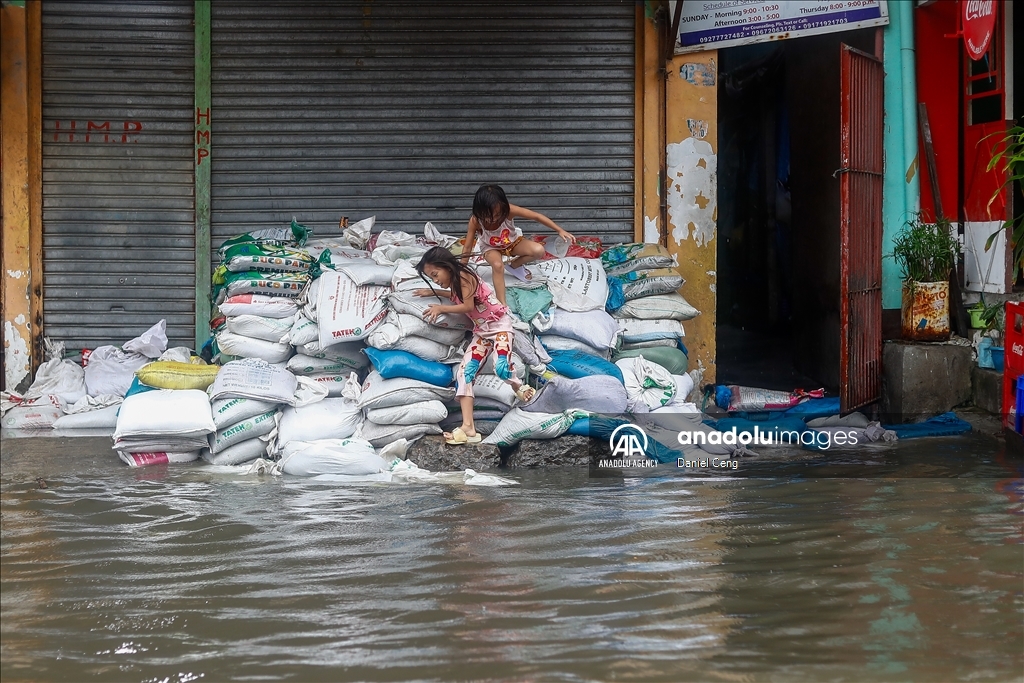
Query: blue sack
x=391 y=364
x=576 y=364
x=138 y=387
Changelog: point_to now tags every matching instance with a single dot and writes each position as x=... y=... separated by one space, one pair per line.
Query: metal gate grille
x=860 y=379
x=118 y=209
x=402 y=109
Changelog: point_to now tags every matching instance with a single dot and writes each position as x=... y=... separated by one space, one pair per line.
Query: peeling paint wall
x=19 y=187
x=691 y=148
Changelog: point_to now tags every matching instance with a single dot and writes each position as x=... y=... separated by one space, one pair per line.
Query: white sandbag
x=150 y=343
x=256 y=379
x=243 y=451
x=390 y=254
x=378 y=392
x=432 y=235
x=111 y=370
x=518 y=425
x=530 y=349
x=553 y=342
x=331 y=418
x=311 y=458
x=494 y=388
x=259 y=327
x=162 y=444
x=303 y=331
x=230 y=411
x=347 y=312
x=89 y=403
x=388 y=337
x=576 y=276
x=177 y=354
x=658 y=307
x=518 y=366
x=366 y=272
x=259 y=304
x=594 y=328
x=382 y=435
x=648 y=385
x=406 y=277
x=165 y=412
x=602 y=394
x=407 y=302
x=309 y=366
x=104 y=418
x=243 y=430
x=64 y=378
x=413 y=326
x=40 y=415
x=158 y=458
x=350 y=353
x=332 y=381
x=635 y=331
x=248 y=347
x=421 y=412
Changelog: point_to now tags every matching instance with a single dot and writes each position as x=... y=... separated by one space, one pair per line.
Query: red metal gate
x=860 y=372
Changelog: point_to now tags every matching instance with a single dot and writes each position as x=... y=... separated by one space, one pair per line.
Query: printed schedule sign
x=713 y=24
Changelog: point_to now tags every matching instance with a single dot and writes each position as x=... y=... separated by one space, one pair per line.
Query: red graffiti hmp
x=93 y=130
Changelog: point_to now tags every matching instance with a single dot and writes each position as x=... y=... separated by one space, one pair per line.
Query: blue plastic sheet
x=947 y=424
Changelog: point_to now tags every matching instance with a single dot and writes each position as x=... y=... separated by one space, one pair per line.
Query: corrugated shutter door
x=402 y=109
x=118 y=208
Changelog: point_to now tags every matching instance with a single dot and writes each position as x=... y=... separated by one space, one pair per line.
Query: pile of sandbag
x=255 y=288
x=645 y=301
x=163 y=426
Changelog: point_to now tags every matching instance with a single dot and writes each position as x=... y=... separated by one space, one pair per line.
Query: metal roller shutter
x=118 y=208
x=401 y=109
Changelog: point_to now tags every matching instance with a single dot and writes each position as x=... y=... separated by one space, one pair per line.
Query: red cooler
x=1013 y=367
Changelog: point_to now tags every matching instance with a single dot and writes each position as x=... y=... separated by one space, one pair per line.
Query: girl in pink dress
x=494 y=218
x=492 y=331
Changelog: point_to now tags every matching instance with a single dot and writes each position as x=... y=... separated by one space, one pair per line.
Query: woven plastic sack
x=243 y=451
x=594 y=328
x=658 y=307
x=378 y=392
x=259 y=304
x=626 y=258
x=311 y=458
x=243 y=430
x=672 y=359
x=421 y=412
x=576 y=364
x=331 y=418
x=635 y=331
x=648 y=386
x=308 y=365
x=232 y=410
x=575 y=283
x=391 y=364
x=259 y=327
x=347 y=312
x=251 y=256
x=642 y=283
x=407 y=302
x=552 y=342
x=248 y=347
x=255 y=379
x=168 y=374
x=382 y=435
x=518 y=425
x=165 y=412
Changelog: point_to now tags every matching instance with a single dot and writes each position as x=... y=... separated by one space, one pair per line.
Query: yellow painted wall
x=681 y=121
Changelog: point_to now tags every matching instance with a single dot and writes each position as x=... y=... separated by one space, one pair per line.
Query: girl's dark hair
x=442 y=258
x=487 y=199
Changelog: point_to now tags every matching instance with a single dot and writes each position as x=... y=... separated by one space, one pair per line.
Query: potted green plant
x=925 y=254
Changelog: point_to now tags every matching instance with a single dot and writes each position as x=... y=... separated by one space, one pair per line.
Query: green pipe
x=202 y=170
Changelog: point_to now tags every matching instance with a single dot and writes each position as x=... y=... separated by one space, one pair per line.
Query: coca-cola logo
x=977 y=9
x=979 y=21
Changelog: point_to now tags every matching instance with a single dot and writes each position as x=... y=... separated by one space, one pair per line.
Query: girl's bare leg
x=493 y=257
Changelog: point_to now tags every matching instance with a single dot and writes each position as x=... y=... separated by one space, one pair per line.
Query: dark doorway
x=779 y=212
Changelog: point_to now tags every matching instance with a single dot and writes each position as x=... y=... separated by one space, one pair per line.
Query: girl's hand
x=568 y=237
x=432 y=312
x=423 y=292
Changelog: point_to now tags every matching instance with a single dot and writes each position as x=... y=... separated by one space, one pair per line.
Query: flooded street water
x=902 y=562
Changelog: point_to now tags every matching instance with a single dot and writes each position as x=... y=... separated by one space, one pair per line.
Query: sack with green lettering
x=640 y=283
x=626 y=258
x=294 y=235
x=249 y=256
x=519 y=424
x=227 y=284
x=249 y=428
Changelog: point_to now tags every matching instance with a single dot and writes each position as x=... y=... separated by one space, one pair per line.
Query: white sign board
x=713 y=24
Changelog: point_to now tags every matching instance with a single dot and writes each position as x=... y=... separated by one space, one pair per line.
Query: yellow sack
x=169 y=374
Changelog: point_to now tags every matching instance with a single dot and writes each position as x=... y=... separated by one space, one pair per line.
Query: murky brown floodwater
x=903 y=563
